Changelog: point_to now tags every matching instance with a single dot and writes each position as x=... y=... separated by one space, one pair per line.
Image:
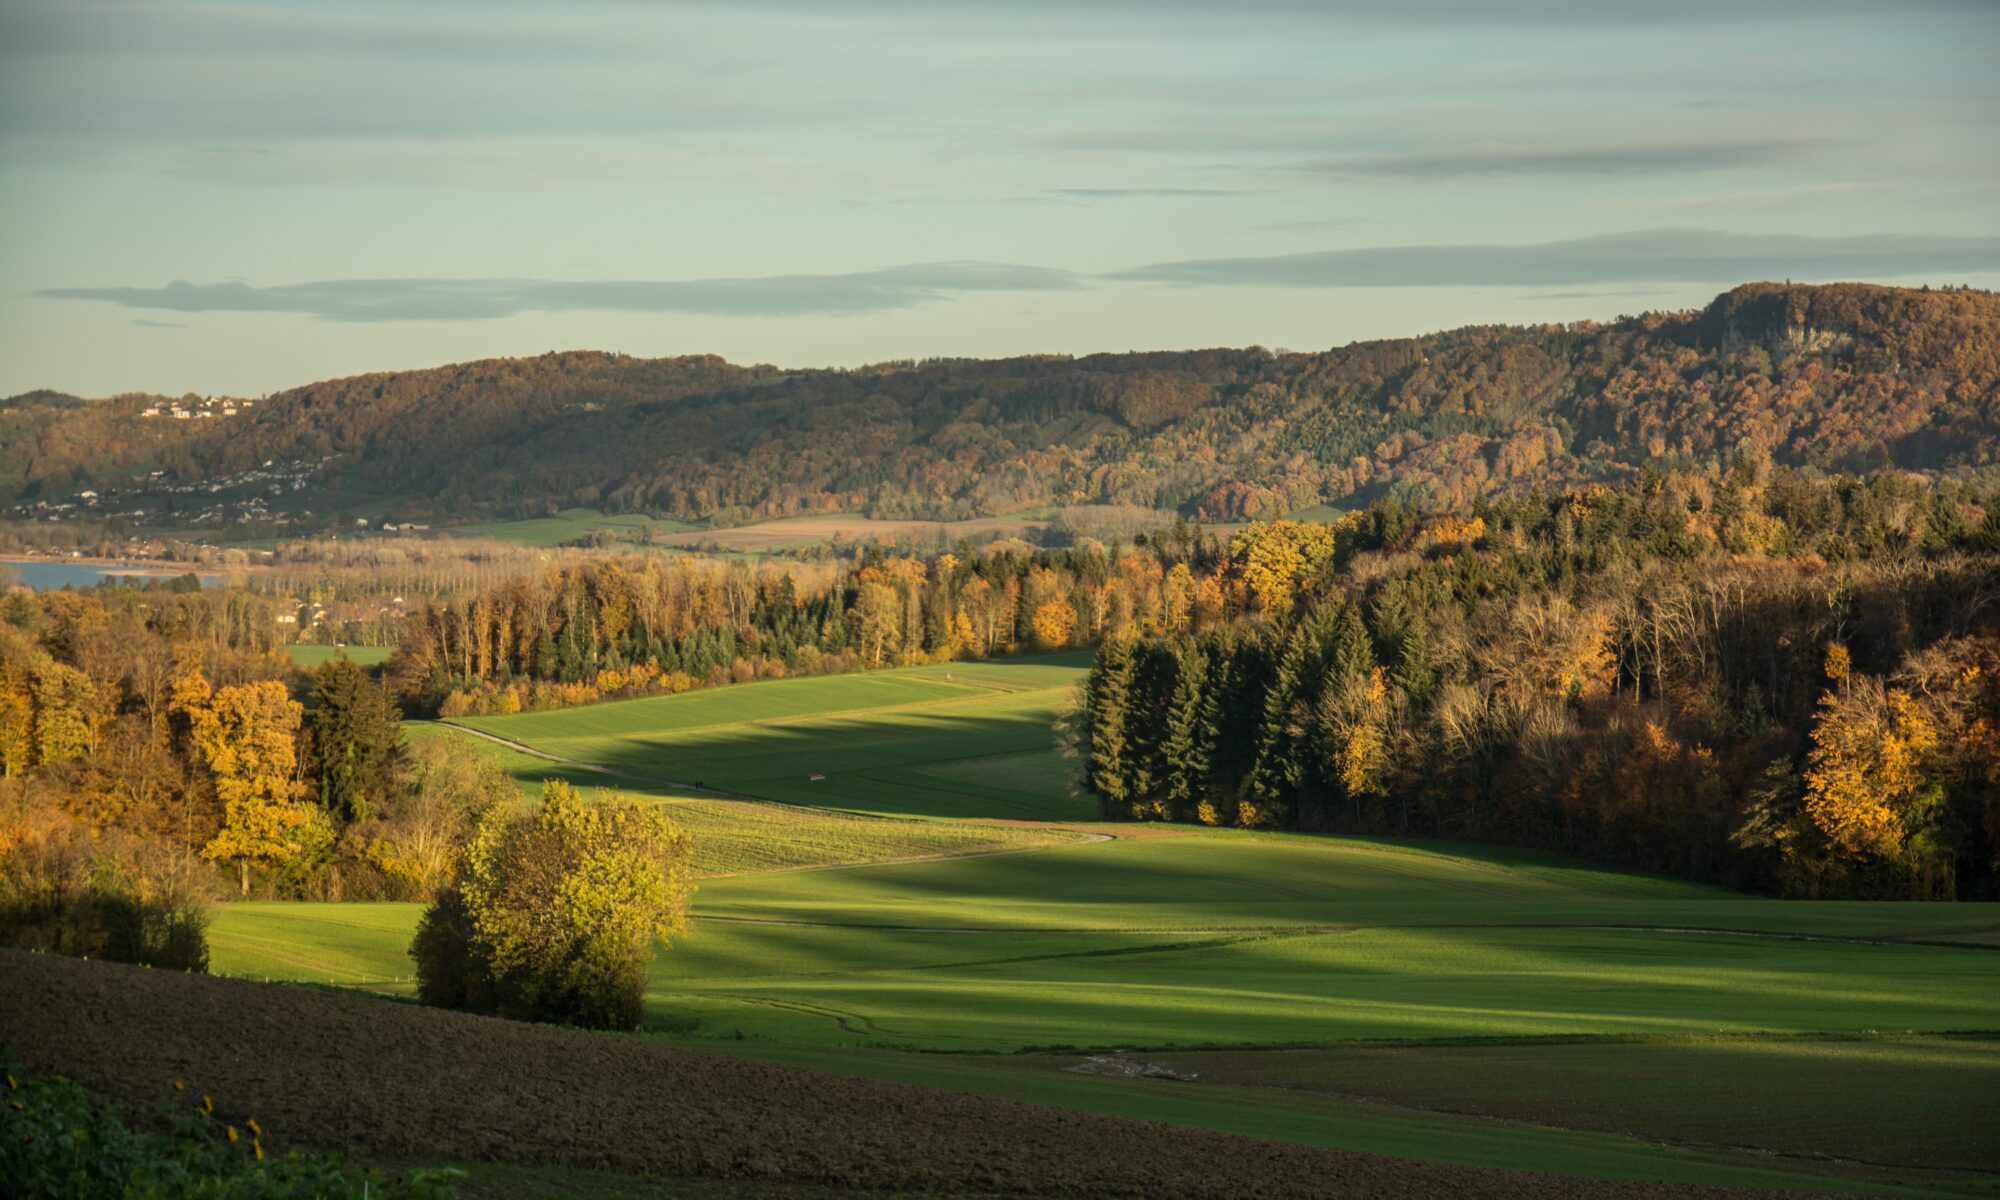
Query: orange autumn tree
x=1865 y=780
x=1054 y=621
x=247 y=736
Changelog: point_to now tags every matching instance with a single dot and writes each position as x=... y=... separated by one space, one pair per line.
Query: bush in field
x=106 y=898
x=553 y=915
x=54 y=1145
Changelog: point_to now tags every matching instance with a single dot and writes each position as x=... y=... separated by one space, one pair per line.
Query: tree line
x=158 y=747
x=609 y=627
x=1755 y=677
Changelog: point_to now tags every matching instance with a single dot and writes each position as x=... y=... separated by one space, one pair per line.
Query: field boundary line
x=1280 y=930
x=1081 y=839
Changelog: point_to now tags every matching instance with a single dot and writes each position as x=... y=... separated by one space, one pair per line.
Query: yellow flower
x=179 y=1086
x=256 y=1130
x=207 y=1105
x=258 y=1148
x=18 y=1106
x=232 y=1133
x=11 y=1085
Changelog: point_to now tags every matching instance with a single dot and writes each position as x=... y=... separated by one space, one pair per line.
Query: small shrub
x=554 y=914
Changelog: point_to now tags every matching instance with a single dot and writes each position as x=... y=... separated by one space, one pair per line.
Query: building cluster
x=191 y=408
x=239 y=498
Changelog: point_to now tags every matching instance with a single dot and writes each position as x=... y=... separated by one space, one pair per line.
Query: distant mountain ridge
x=1838 y=377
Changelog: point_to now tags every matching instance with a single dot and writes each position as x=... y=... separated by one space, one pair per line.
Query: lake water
x=51 y=574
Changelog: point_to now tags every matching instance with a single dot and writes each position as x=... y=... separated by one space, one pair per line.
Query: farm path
x=1281 y=930
x=1082 y=839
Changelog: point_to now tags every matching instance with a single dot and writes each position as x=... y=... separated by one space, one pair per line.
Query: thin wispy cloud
x=1640 y=257
x=1645 y=256
x=1487 y=161
x=1142 y=193
x=369 y=300
x=1320 y=223
x=1773 y=197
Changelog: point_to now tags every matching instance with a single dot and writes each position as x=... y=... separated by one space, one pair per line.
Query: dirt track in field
x=398 y=1083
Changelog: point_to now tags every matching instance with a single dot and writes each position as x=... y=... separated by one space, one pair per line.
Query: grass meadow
x=1462 y=1003
x=569 y=525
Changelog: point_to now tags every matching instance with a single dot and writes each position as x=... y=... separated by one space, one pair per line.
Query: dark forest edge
x=1754 y=678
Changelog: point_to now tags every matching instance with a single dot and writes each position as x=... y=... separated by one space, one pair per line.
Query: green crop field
x=734 y=835
x=1455 y=1002
x=958 y=740
x=366 y=656
x=1322 y=514
x=569 y=525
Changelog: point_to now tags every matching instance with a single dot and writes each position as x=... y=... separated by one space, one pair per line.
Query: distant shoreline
x=169 y=568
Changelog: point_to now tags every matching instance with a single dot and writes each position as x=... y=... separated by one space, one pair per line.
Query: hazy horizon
x=244 y=196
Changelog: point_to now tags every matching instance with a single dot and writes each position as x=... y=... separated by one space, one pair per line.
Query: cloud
x=1131 y=193
x=1487 y=161
x=1642 y=256
x=1653 y=256
x=365 y=300
x=1321 y=223
x=1399 y=12
x=1774 y=197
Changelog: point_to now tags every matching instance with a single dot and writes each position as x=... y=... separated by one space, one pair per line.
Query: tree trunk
x=243 y=874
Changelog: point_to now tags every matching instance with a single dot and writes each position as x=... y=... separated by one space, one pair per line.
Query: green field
x=312 y=656
x=733 y=835
x=569 y=525
x=1319 y=514
x=1462 y=1003
x=957 y=740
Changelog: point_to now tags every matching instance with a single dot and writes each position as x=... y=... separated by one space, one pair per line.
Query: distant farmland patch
x=570 y=525
x=795 y=532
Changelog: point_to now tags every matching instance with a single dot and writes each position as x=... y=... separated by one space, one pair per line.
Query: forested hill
x=1839 y=377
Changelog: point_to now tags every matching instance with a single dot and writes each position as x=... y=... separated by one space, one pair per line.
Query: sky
x=237 y=196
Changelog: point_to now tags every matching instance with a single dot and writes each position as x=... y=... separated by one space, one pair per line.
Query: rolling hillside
x=1840 y=377
x=1462 y=1004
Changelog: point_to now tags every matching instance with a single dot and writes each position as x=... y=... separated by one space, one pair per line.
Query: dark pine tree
x=358 y=736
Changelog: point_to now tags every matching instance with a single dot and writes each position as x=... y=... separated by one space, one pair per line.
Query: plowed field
x=397 y=1083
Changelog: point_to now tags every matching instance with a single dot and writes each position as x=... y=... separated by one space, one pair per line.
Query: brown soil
x=397 y=1083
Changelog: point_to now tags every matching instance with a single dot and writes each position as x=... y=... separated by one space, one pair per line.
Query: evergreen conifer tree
x=1107 y=701
x=359 y=738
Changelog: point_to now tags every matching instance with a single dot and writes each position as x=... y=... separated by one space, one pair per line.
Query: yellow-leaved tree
x=1865 y=777
x=1273 y=559
x=1054 y=621
x=247 y=736
x=877 y=615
